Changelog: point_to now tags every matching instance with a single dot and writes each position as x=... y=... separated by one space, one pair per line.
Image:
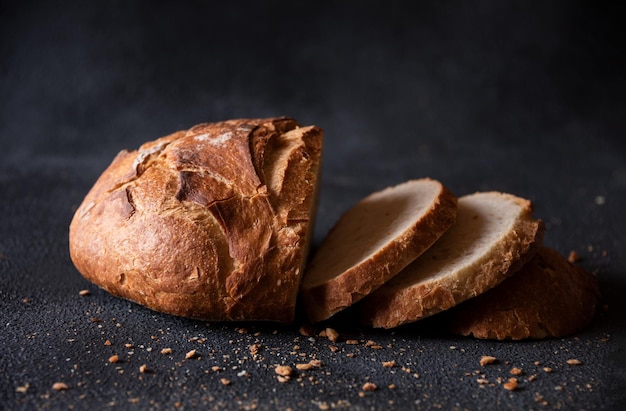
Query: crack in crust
x=232 y=200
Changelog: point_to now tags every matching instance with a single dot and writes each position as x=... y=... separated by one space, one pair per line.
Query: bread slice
x=494 y=235
x=372 y=242
x=212 y=222
x=548 y=297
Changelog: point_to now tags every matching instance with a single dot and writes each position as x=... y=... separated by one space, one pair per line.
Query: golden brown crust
x=321 y=300
x=548 y=297
x=411 y=296
x=211 y=223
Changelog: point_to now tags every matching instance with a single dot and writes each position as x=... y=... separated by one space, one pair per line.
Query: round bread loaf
x=211 y=223
x=372 y=242
x=548 y=297
x=493 y=236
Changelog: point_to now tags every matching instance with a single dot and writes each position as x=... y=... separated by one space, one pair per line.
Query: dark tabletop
x=523 y=97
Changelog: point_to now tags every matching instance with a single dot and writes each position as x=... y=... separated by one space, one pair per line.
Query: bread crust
x=548 y=297
x=404 y=300
x=321 y=300
x=210 y=223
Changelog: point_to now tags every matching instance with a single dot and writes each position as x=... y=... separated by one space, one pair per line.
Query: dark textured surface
x=522 y=98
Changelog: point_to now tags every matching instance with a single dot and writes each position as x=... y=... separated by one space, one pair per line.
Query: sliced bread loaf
x=548 y=297
x=372 y=242
x=494 y=235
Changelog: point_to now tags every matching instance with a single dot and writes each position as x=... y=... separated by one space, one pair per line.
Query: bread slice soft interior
x=494 y=235
x=372 y=242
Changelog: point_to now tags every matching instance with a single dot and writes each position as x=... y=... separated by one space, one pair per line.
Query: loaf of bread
x=372 y=242
x=211 y=223
x=493 y=236
x=548 y=297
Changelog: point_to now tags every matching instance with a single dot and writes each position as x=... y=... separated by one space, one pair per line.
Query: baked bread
x=372 y=242
x=210 y=223
x=494 y=235
x=548 y=297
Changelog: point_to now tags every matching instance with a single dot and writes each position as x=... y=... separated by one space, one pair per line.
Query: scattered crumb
x=191 y=354
x=143 y=368
x=574 y=361
x=310 y=365
x=487 y=359
x=166 y=351
x=573 y=257
x=95 y=320
x=307 y=330
x=283 y=370
x=114 y=359
x=369 y=386
x=22 y=388
x=516 y=371
x=84 y=293
x=392 y=386
x=225 y=381
x=283 y=379
x=333 y=348
x=389 y=364
x=107 y=342
x=128 y=345
x=482 y=381
x=332 y=334
x=216 y=368
x=511 y=384
x=60 y=386
x=547 y=369
x=254 y=348
x=532 y=377
x=352 y=342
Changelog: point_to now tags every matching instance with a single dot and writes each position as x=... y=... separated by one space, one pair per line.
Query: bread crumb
x=307 y=330
x=573 y=257
x=389 y=364
x=547 y=369
x=191 y=354
x=225 y=381
x=143 y=368
x=332 y=334
x=254 y=349
x=114 y=359
x=84 y=293
x=22 y=388
x=369 y=386
x=532 y=377
x=128 y=345
x=166 y=351
x=487 y=359
x=283 y=379
x=333 y=348
x=511 y=384
x=392 y=386
x=482 y=380
x=573 y=361
x=60 y=386
x=216 y=368
x=352 y=342
x=107 y=342
x=283 y=370
x=516 y=371
x=310 y=365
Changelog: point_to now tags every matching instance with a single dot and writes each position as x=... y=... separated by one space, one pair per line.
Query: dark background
x=522 y=97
